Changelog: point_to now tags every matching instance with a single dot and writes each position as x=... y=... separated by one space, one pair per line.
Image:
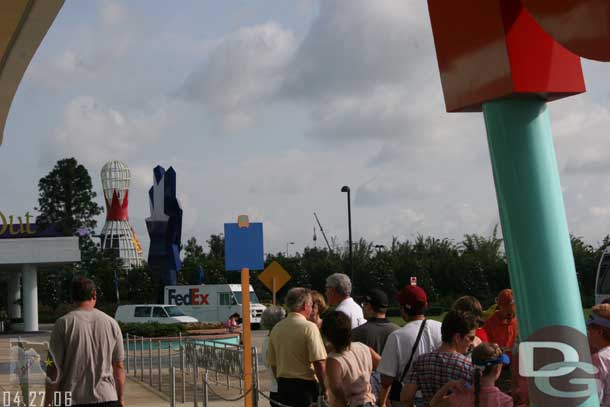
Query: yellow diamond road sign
x=274 y=270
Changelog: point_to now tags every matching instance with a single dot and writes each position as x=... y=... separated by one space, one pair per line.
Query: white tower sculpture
x=117 y=233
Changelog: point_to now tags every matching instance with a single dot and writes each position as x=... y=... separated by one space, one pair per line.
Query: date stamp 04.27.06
x=36 y=399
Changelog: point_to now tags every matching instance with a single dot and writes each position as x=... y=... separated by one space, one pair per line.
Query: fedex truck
x=212 y=302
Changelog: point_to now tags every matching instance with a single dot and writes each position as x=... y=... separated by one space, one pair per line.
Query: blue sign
x=244 y=247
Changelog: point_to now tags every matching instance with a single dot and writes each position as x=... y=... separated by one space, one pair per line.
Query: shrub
x=204 y=325
x=152 y=329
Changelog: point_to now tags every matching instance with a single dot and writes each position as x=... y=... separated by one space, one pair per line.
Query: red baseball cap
x=413 y=296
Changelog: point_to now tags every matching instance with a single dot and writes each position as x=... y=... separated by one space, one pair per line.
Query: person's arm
x=320 y=368
x=271 y=362
x=376 y=358
x=317 y=354
x=334 y=373
x=386 y=384
x=118 y=372
x=51 y=386
x=407 y=395
x=389 y=367
x=442 y=396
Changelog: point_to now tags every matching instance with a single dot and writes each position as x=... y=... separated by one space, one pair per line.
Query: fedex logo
x=192 y=298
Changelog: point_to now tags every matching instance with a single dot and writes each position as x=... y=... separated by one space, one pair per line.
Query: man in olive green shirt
x=296 y=353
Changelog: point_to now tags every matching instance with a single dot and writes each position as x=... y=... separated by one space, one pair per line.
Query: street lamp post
x=345 y=188
x=287 y=243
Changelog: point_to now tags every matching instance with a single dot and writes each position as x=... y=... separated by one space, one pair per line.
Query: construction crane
x=323 y=234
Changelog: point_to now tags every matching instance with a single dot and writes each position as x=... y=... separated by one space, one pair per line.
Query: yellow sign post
x=274 y=277
x=247 y=338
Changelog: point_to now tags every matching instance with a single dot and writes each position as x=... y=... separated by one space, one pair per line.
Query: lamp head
x=345 y=188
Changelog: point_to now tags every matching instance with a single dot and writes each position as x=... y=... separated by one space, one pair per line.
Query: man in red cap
x=501 y=327
x=404 y=345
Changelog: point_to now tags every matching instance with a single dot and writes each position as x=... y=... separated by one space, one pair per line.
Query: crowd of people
x=352 y=355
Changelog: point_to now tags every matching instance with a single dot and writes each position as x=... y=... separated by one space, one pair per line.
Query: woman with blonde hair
x=319 y=308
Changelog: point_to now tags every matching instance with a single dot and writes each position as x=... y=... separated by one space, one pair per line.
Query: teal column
x=532 y=214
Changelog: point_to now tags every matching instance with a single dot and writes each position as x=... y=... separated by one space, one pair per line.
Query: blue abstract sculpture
x=165 y=229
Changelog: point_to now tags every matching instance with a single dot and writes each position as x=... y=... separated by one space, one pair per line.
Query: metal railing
x=190 y=369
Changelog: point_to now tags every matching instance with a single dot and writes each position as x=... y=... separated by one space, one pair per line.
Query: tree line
x=446 y=268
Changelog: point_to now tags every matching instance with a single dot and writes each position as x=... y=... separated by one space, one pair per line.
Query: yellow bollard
x=247 y=337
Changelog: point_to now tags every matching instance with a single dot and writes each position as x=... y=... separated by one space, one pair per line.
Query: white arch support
x=20 y=261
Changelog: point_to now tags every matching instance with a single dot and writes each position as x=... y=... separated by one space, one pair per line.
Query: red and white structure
x=117 y=233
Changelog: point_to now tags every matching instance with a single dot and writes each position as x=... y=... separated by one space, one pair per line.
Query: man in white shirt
x=338 y=291
x=398 y=347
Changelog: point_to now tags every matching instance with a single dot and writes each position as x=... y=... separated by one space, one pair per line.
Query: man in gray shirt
x=377 y=328
x=86 y=348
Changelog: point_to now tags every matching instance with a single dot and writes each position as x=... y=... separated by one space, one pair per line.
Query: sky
x=269 y=107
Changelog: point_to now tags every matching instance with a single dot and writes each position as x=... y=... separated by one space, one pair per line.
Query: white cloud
x=387 y=190
x=96 y=133
x=603 y=212
x=241 y=74
x=354 y=46
x=364 y=70
x=411 y=217
x=95 y=50
x=370 y=114
x=112 y=12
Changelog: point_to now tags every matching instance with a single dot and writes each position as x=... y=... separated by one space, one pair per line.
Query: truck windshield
x=253 y=297
x=174 y=312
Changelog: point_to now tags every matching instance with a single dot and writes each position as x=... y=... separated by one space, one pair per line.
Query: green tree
x=104 y=267
x=586 y=260
x=216 y=246
x=214 y=264
x=194 y=257
x=66 y=198
x=316 y=265
x=484 y=266
x=139 y=285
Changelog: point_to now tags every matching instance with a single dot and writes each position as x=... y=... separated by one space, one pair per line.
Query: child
x=598 y=332
x=233 y=322
x=487 y=359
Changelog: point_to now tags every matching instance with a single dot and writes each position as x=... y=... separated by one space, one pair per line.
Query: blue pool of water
x=175 y=344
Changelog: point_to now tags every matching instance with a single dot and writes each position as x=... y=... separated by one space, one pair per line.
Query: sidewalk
x=138 y=394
